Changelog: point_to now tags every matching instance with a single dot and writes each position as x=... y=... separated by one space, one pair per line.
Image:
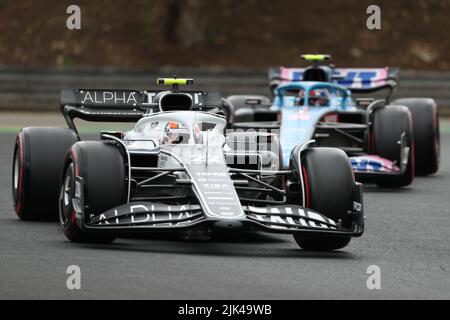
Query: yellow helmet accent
x=174 y=81
x=316 y=57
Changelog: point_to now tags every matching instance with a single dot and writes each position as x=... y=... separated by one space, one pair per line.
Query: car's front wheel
x=102 y=170
x=328 y=189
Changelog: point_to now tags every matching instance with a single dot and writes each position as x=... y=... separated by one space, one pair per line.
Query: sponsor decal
x=216 y=191
x=373 y=163
x=150 y=214
x=350 y=77
x=109 y=97
x=362 y=78
x=291 y=216
x=357 y=206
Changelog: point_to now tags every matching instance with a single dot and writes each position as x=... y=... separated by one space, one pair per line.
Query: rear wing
x=101 y=105
x=358 y=80
x=367 y=79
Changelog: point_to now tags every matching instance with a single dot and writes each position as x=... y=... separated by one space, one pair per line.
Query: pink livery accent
x=373 y=163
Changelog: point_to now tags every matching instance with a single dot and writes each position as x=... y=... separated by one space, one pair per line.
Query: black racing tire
x=329 y=181
x=389 y=123
x=426 y=133
x=37 y=165
x=102 y=168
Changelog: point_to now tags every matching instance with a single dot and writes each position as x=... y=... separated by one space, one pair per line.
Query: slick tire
x=389 y=123
x=37 y=165
x=426 y=133
x=102 y=169
x=328 y=182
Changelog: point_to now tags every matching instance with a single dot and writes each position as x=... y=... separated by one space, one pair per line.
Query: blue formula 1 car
x=387 y=142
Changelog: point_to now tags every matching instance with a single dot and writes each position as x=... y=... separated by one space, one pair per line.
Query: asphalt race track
x=407 y=236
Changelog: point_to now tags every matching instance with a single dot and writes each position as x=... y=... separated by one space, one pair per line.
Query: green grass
x=445 y=126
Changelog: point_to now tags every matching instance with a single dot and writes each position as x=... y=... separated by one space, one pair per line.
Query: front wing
x=370 y=165
x=148 y=216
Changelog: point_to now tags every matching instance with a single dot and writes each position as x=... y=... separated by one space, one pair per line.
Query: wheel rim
x=65 y=197
x=16 y=174
x=67 y=190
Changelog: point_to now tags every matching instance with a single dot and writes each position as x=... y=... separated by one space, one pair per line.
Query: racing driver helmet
x=175 y=133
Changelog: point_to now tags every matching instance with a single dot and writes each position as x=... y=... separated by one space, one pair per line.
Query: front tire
x=102 y=169
x=328 y=180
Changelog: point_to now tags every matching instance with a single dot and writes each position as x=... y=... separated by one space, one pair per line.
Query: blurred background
x=226 y=45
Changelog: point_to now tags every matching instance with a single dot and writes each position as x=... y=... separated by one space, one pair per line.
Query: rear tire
x=426 y=133
x=102 y=168
x=329 y=181
x=37 y=165
x=389 y=123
